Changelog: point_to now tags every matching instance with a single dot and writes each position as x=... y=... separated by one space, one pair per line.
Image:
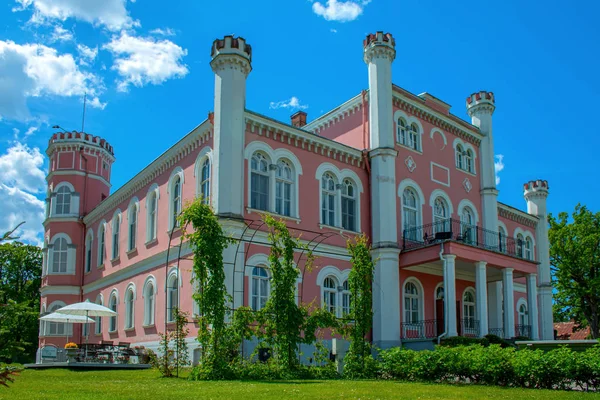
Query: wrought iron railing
x=497 y=331
x=455 y=230
x=523 y=331
x=426 y=329
x=469 y=327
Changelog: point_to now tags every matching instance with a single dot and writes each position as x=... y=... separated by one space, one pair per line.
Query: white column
x=386 y=298
x=450 y=294
x=481 y=296
x=509 y=302
x=495 y=306
x=532 y=306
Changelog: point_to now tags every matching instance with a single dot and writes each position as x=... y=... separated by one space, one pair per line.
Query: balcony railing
x=523 y=331
x=469 y=327
x=497 y=331
x=455 y=230
x=432 y=328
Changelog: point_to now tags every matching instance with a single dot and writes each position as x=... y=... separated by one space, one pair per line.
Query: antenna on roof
x=83 y=118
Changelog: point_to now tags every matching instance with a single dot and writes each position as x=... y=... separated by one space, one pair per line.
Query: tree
x=575 y=257
x=20 y=281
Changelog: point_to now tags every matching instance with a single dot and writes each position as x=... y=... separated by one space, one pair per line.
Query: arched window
x=63 y=201
x=112 y=304
x=469 y=311
x=101 y=243
x=345 y=298
x=172 y=297
x=520 y=243
x=283 y=188
x=129 y=308
x=260 y=288
x=412 y=306
x=57 y=328
x=441 y=222
x=459 y=156
x=149 y=302
x=330 y=294
x=468 y=161
x=502 y=239
x=116 y=230
x=175 y=201
x=528 y=248
x=99 y=319
x=410 y=214
x=401 y=135
x=523 y=315
x=468 y=225
x=89 y=241
x=132 y=219
x=259 y=182
x=205 y=181
x=328 y=199
x=151 y=209
x=348 y=205
x=414 y=136
x=60 y=256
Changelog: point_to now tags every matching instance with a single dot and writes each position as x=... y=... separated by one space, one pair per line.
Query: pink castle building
x=418 y=180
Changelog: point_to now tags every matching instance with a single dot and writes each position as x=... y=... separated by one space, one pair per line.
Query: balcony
x=457 y=231
x=432 y=328
x=520 y=331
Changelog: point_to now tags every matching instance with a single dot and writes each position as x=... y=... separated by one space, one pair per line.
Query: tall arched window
x=63 y=201
x=101 y=243
x=441 y=222
x=116 y=231
x=112 y=304
x=132 y=219
x=98 y=323
x=60 y=256
x=528 y=248
x=520 y=243
x=205 y=181
x=345 y=298
x=328 y=199
x=283 y=188
x=414 y=136
x=175 y=201
x=469 y=310
x=348 y=205
x=259 y=182
x=330 y=294
x=460 y=156
x=57 y=328
x=502 y=239
x=401 y=135
x=149 y=302
x=172 y=297
x=412 y=306
x=260 y=288
x=410 y=214
x=151 y=208
x=129 y=308
x=468 y=225
x=89 y=241
x=523 y=315
x=468 y=161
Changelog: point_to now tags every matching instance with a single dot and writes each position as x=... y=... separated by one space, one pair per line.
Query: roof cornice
x=331 y=117
x=517 y=215
x=194 y=139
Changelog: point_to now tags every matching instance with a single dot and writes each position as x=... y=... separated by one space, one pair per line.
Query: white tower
x=480 y=107
x=379 y=52
x=536 y=194
x=231 y=63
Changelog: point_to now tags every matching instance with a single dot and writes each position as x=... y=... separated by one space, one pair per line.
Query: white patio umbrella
x=87 y=309
x=67 y=319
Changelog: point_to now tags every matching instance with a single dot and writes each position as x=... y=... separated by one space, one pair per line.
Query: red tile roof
x=565 y=331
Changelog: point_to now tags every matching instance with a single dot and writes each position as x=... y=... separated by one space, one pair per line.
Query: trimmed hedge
x=493 y=365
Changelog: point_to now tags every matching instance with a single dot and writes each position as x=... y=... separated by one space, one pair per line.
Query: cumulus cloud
x=60 y=34
x=340 y=11
x=86 y=54
x=111 y=14
x=35 y=70
x=293 y=104
x=163 y=32
x=31 y=131
x=498 y=166
x=96 y=103
x=141 y=61
x=23 y=181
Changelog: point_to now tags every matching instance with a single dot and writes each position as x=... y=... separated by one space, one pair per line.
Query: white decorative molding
x=410 y=163
x=467 y=185
x=434 y=165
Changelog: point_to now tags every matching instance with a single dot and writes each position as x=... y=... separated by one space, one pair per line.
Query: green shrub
x=398 y=363
x=359 y=367
x=588 y=368
x=464 y=341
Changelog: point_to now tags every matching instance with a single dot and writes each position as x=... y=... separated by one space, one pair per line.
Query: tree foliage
x=575 y=256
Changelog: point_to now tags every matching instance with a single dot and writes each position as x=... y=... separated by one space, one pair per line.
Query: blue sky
x=144 y=65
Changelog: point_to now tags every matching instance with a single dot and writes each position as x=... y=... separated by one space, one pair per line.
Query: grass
x=146 y=384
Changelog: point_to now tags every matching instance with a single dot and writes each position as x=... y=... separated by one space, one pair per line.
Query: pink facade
x=326 y=181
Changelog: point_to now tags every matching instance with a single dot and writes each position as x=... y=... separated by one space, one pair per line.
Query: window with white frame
x=328 y=199
x=414 y=136
x=330 y=294
x=175 y=202
x=101 y=243
x=57 y=328
x=260 y=288
x=401 y=133
x=89 y=242
x=469 y=309
x=149 y=303
x=284 y=184
x=410 y=214
x=132 y=220
x=528 y=248
x=151 y=210
x=345 y=298
x=259 y=182
x=129 y=308
x=502 y=239
x=520 y=244
x=112 y=304
x=60 y=256
x=116 y=230
x=348 y=205
x=63 y=201
x=523 y=315
x=441 y=221
x=469 y=161
x=408 y=135
x=412 y=300
x=99 y=319
x=460 y=156
x=468 y=229
x=205 y=181
x=172 y=297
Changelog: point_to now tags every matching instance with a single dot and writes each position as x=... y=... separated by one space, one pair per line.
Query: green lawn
x=146 y=384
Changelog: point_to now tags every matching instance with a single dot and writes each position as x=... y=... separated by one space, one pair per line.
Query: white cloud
x=19 y=206
x=111 y=14
x=21 y=167
x=60 y=34
x=141 y=61
x=293 y=104
x=498 y=166
x=340 y=11
x=16 y=133
x=96 y=103
x=35 y=70
x=163 y=32
x=86 y=54
x=333 y=30
x=31 y=131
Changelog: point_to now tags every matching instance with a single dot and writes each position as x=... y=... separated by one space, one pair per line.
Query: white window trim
x=177 y=171
x=204 y=154
x=89 y=246
x=466 y=146
x=100 y=301
x=261 y=259
x=134 y=206
x=470 y=289
x=468 y=203
x=405 y=184
x=115 y=293
x=172 y=274
x=150 y=280
x=520 y=302
x=440 y=193
x=409 y=121
x=439 y=285
x=419 y=286
x=68 y=326
x=102 y=225
x=151 y=236
x=130 y=287
x=340 y=277
x=71 y=255
x=74 y=201
x=116 y=219
x=526 y=234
